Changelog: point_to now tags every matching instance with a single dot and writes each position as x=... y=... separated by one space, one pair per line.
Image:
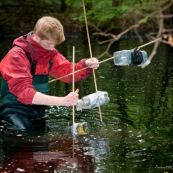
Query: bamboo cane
x=91 y=56
x=73 y=84
x=146 y=44
x=110 y=58
x=73 y=110
x=75 y=126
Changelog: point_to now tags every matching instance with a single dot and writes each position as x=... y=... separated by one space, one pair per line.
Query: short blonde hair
x=50 y=28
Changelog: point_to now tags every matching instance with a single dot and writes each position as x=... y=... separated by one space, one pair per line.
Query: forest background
x=108 y=20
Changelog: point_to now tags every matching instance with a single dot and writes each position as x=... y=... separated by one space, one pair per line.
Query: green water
x=136 y=133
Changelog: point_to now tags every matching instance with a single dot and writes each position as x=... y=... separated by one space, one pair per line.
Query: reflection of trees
x=162 y=111
x=121 y=98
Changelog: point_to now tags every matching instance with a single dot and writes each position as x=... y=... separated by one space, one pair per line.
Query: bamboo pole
x=73 y=110
x=73 y=84
x=110 y=58
x=146 y=44
x=77 y=71
x=91 y=56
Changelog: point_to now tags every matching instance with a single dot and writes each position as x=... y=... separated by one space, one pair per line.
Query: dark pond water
x=136 y=133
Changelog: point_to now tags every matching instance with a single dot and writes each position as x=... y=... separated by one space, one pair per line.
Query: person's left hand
x=92 y=62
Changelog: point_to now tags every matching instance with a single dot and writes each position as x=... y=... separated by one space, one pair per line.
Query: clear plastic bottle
x=91 y=101
x=124 y=57
x=80 y=128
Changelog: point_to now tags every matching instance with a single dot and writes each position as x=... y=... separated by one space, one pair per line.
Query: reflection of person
x=25 y=70
x=44 y=154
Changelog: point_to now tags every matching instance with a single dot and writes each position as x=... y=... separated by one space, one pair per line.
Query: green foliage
x=107 y=15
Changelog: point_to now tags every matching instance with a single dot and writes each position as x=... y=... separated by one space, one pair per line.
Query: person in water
x=25 y=71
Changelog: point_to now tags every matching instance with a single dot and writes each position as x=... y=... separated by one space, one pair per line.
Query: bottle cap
x=79 y=105
x=80 y=128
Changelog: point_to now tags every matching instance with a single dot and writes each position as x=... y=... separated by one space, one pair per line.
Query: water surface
x=136 y=133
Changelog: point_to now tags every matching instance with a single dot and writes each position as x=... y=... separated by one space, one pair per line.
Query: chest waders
x=10 y=105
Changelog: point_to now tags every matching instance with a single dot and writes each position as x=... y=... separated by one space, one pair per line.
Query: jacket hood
x=27 y=43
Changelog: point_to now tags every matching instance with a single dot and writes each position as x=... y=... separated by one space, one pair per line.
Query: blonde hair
x=50 y=28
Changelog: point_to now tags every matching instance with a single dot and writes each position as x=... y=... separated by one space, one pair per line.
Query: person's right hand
x=72 y=98
x=92 y=62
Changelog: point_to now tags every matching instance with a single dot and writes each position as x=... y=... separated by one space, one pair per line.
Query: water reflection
x=50 y=152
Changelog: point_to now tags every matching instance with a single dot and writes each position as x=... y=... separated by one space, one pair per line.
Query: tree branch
x=158 y=14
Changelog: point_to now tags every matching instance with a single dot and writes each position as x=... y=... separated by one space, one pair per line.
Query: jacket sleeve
x=63 y=69
x=15 y=69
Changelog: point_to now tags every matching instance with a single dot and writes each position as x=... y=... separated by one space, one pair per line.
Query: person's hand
x=92 y=62
x=72 y=98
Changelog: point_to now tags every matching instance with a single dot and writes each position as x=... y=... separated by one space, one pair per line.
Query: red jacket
x=15 y=67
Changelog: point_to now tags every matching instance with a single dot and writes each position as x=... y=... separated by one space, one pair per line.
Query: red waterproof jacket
x=15 y=67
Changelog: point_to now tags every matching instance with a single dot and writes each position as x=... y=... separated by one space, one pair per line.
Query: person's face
x=46 y=44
